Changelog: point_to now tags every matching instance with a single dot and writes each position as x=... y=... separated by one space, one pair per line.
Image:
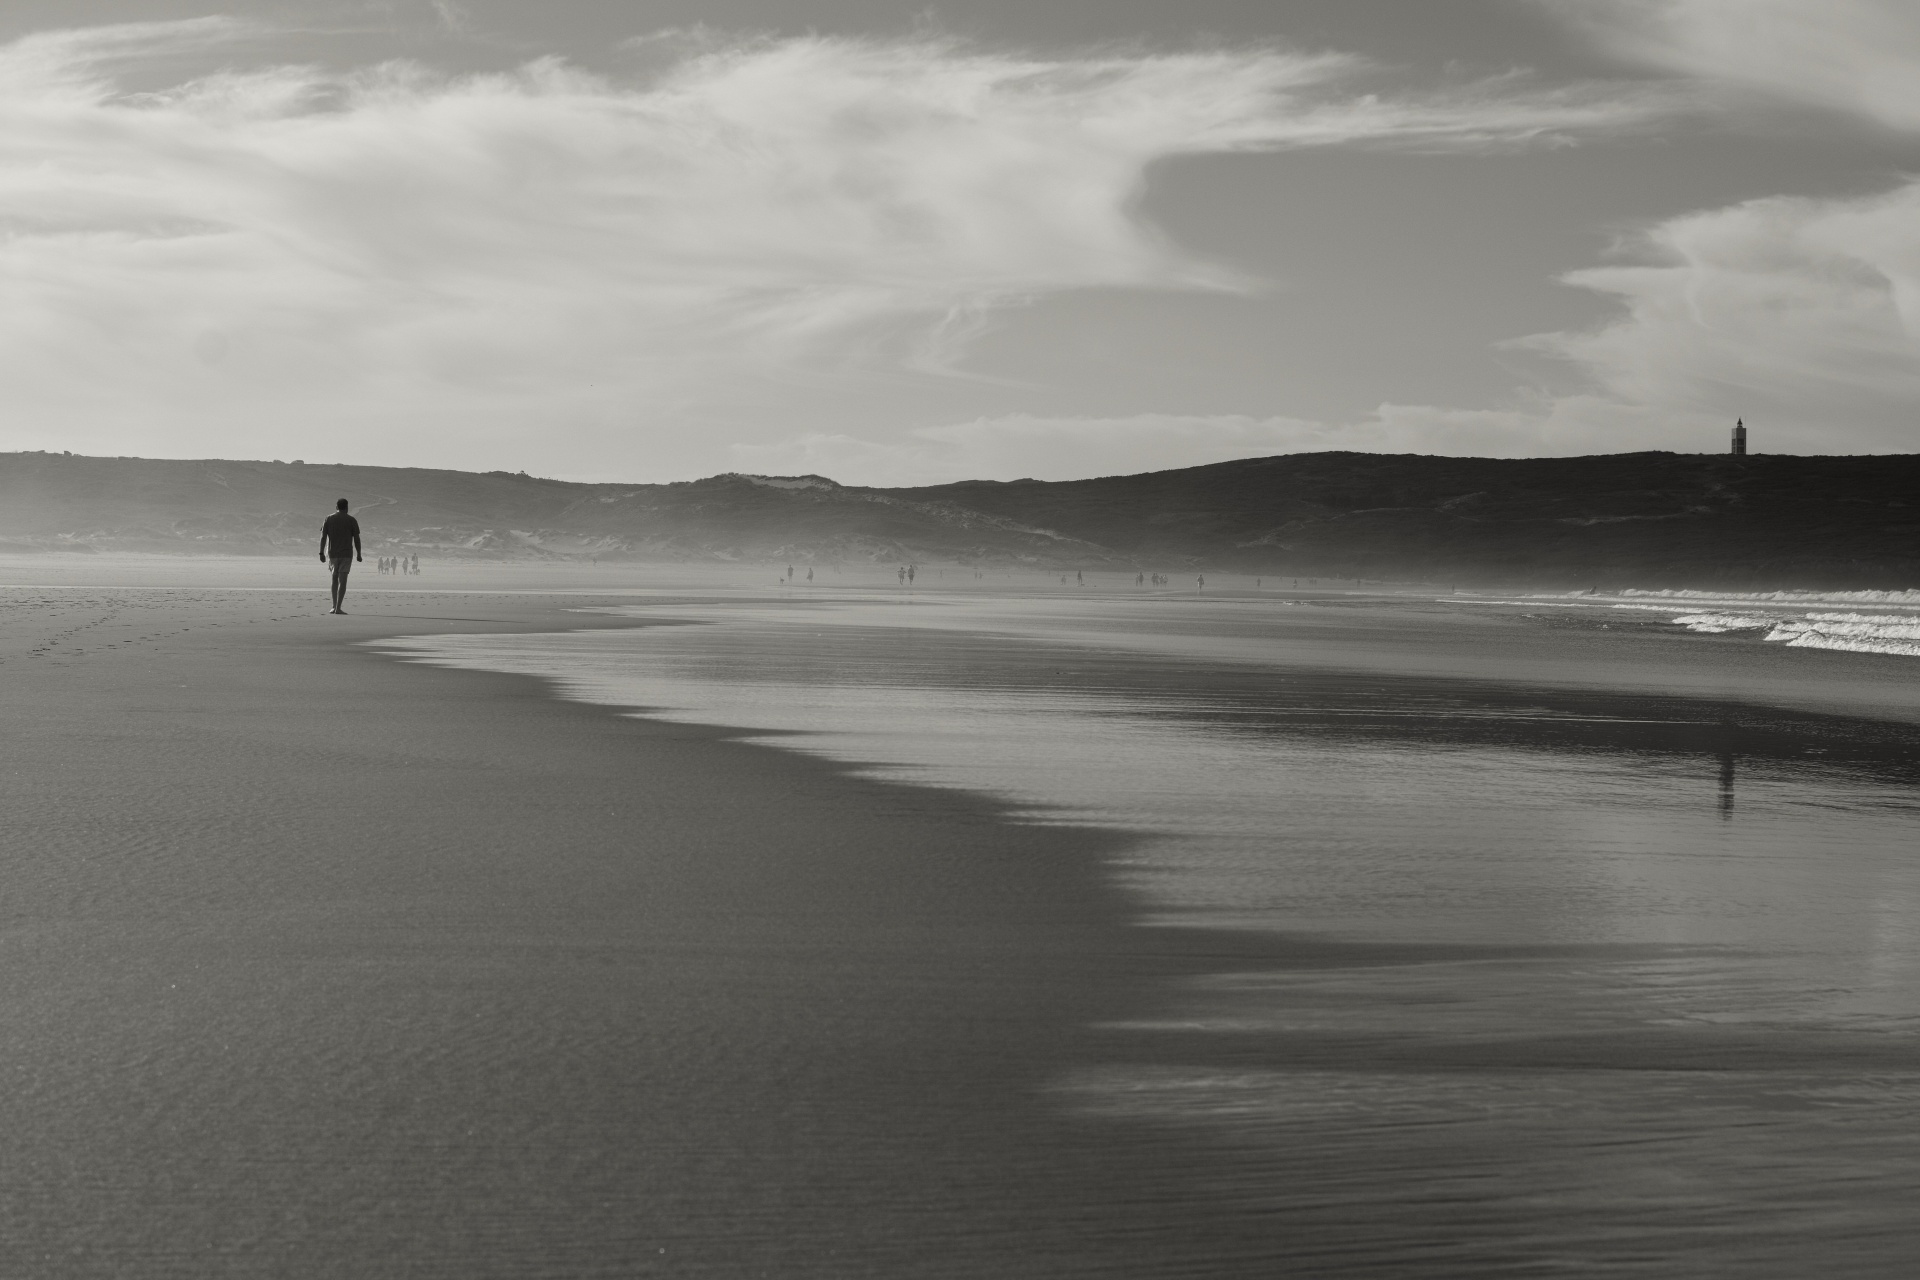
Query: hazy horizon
x=957 y=479
x=898 y=243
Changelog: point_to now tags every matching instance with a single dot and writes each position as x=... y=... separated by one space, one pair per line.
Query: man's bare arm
x=356 y=543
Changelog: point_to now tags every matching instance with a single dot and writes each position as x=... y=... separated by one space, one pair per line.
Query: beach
x=1131 y=641
x=725 y=929
x=324 y=965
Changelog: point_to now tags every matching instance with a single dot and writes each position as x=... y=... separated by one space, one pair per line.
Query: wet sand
x=321 y=964
x=1566 y=962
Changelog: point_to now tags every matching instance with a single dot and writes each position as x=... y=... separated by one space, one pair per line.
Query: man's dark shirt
x=340 y=530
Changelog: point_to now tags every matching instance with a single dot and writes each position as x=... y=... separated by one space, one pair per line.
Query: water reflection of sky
x=1586 y=853
x=1358 y=802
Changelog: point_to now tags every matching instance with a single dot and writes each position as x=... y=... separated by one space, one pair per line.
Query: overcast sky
x=893 y=241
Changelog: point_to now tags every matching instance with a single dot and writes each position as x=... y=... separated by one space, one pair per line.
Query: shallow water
x=1595 y=943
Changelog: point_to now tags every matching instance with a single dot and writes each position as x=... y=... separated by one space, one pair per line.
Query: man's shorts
x=342 y=566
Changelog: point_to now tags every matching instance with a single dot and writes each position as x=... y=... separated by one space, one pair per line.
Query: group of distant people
x=340 y=547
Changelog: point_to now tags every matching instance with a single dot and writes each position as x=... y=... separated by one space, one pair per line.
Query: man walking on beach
x=340 y=547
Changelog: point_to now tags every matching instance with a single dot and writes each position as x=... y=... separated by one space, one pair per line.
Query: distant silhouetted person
x=809 y=575
x=416 y=562
x=340 y=547
x=1203 y=582
x=911 y=571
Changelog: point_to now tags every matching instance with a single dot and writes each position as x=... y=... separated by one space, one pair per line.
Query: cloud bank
x=623 y=276
x=398 y=265
x=1810 y=308
x=1801 y=312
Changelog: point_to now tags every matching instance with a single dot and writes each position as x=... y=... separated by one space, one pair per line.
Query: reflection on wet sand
x=1470 y=975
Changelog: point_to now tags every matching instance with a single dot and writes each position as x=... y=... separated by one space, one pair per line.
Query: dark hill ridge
x=1649 y=519
x=1645 y=519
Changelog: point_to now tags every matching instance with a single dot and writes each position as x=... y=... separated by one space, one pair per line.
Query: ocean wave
x=1797 y=619
x=1839 y=626
x=1910 y=599
x=1635 y=598
x=1852 y=632
x=1717 y=622
x=1822 y=640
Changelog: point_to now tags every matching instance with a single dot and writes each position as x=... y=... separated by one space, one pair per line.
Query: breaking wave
x=1804 y=599
x=1798 y=619
x=1897 y=633
x=1716 y=622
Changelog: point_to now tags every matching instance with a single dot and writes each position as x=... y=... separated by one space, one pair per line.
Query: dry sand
x=322 y=964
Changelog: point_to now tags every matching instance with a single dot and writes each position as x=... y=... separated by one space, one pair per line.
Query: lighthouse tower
x=1739 y=438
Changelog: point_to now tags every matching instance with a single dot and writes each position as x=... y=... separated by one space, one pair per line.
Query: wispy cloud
x=1857 y=56
x=78 y=65
x=453 y=16
x=404 y=260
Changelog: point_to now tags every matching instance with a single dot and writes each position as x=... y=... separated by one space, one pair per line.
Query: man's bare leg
x=339 y=591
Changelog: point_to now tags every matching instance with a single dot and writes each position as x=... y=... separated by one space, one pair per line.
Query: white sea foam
x=1868 y=644
x=1909 y=599
x=1793 y=618
x=1634 y=598
x=1715 y=622
x=1853 y=632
